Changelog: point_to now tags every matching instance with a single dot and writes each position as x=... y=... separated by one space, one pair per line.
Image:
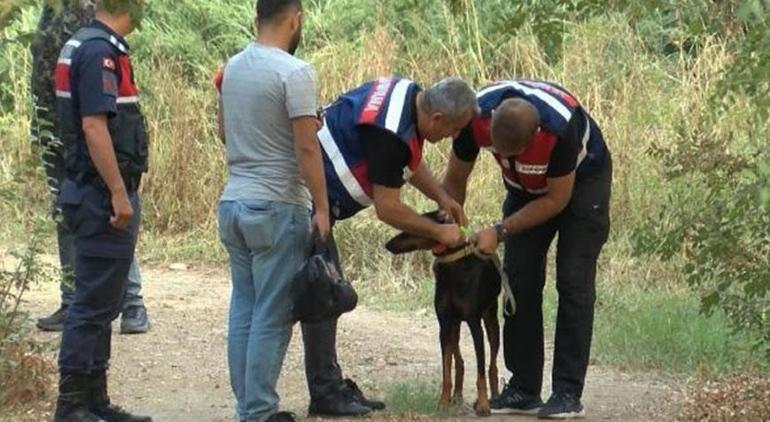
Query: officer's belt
x=131 y=181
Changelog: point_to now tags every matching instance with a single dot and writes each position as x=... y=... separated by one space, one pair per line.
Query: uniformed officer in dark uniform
x=557 y=169
x=105 y=144
x=56 y=26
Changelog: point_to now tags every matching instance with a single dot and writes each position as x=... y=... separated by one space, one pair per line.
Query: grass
x=662 y=331
x=418 y=397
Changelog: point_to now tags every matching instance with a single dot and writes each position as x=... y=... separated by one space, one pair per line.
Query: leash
x=470 y=249
x=507 y=291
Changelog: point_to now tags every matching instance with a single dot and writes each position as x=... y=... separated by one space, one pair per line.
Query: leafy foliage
x=725 y=236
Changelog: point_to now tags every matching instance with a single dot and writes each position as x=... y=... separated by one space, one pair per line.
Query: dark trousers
x=583 y=227
x=102 y=260
x=322 y=370
x=53 y=162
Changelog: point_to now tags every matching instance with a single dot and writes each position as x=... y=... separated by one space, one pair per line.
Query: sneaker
x=338 y=403
x=514 y=401
x=359 y=395
x=134 y=321
x=282 y=417
x=55 y=321
x=562 y=406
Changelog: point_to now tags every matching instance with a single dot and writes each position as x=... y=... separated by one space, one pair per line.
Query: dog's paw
x=482 y=408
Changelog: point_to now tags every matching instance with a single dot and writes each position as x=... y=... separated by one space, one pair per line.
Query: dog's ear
x=406 y=242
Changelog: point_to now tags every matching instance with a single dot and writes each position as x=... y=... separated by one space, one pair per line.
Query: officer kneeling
x=105 y=144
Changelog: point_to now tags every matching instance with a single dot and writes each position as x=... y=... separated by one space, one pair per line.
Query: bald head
x=514 y=122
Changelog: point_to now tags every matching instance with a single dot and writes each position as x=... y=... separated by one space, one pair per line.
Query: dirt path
x=178 y=373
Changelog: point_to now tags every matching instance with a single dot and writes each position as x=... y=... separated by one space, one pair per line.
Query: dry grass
x=27 y=376
x=638 y=98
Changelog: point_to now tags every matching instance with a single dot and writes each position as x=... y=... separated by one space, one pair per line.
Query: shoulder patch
x=109 y=83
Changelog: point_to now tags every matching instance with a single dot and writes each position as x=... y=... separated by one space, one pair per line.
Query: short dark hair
x=513 y=123
x=270 y=10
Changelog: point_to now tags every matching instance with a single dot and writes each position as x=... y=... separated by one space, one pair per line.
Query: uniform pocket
x=91 y=215
x=590 y=210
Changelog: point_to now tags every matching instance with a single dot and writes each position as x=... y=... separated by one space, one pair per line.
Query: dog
x=467 y=288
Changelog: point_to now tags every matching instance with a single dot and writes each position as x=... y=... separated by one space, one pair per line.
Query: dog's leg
x=447 y=350
x=492 y=327
x=457 y=397
x=482 y=403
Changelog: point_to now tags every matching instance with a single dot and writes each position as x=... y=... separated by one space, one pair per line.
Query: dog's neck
x=444 y=254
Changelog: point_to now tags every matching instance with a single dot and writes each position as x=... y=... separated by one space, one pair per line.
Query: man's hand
x=321 y=225
x=123 y=211
x=450 y=235
x=486 y=241
x=454 y=209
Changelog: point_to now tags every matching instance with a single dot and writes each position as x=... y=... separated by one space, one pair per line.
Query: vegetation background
x=681 y=89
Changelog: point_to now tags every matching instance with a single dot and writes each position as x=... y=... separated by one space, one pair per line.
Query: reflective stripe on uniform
x=344 y=173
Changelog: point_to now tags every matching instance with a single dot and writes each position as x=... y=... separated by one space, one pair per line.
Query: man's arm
x=390 y=210
x=221 y=119
x=456 y=178
x=424 y=181
x=301 y=91
x=218 y=80
x=461 y=161
x=102 y=154
x=533 y=214
x=544 y=208
x=308 y=151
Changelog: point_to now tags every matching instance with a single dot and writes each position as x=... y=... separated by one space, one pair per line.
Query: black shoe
x=359 y=395
x=72 y=405
x=514 y=401
x=55 y=321
x=338 y=403
x=282 y=417
x=562 y=406
x=134 y=320
x=99 y=403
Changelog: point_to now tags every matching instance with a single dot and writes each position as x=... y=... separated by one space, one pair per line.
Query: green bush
x=723 y=227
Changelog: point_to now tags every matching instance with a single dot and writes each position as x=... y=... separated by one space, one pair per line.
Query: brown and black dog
x=467 y=289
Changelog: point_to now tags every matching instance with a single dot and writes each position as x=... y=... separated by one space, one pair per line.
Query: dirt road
x=178 y=372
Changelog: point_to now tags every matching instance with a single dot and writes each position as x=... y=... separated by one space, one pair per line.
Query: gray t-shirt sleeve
x=300 y=88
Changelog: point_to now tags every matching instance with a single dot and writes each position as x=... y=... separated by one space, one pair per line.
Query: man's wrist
x=501 y=231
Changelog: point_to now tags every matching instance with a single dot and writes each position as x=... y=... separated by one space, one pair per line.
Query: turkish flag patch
x=108 y=63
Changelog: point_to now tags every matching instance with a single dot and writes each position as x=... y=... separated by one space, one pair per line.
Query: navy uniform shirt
x=94 y=74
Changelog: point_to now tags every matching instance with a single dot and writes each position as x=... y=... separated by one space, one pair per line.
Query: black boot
x=55 y=321
x=339 y=402
x=72 y=405
x=100 y=405
x=359 y=395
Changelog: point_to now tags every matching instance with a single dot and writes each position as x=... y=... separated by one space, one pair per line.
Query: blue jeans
x=267 y=242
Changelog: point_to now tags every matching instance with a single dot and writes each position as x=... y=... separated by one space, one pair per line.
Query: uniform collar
x=119 y=41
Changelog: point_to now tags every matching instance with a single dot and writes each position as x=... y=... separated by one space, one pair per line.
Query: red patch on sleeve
x=108 y=63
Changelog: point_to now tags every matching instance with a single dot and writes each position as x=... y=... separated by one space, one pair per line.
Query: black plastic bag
x=319 y=291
